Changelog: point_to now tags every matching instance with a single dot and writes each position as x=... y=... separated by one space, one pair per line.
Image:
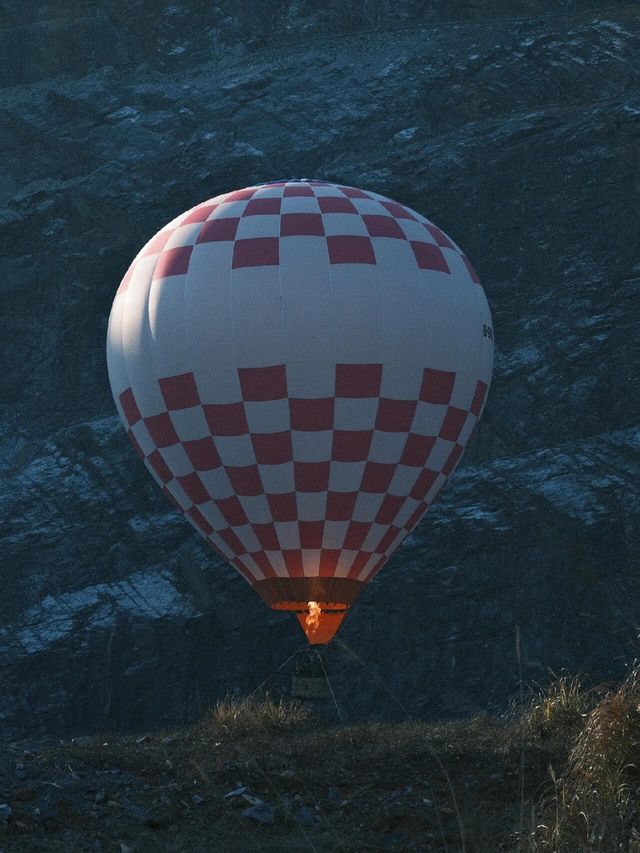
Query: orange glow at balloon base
x=320 y=626
x=328 y=624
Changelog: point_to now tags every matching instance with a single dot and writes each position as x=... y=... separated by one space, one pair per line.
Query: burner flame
x=312 y=621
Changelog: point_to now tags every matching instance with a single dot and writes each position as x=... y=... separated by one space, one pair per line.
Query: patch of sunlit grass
x=250 y=715
x=560 y=707
x=596 y=804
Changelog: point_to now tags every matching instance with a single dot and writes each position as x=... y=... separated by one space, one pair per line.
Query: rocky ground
x=286 y=783
x=517 y=130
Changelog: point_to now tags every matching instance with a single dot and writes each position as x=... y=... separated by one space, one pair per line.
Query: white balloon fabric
x=300 y=365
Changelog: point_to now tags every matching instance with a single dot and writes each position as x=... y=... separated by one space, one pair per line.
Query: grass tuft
x=559 y=707
x=253 y=715
x=596 y=804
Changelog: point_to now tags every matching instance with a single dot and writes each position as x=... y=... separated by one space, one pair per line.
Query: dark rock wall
x=517 y=130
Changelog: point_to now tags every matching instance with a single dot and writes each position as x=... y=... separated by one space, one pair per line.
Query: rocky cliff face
x=520 y=138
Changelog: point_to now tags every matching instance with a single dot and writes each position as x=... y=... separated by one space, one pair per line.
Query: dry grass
x=235 y=716
x=560 y=706
x=368 y=786
x=567 y=763
x=595 y=803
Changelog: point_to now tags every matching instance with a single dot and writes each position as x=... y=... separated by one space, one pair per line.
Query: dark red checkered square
x=376 y=567
x=129 y=407
x=297 y=189
x=478 y=397
x=439 y=236
x=474 y=275
x=226 y=419
x=389 y=508
x=416 y=515
x=437 y=386
x=340 y=505
x=256 y=252
x=156 y=244
x=160 y=466
x=230 y=538
x=293 y=562
x=219 y=230
x=453 y=423
x=386 y=541
x=179 y=392
x=353 y=192
x=267 y=536
x=311 y=534
x=195 y=514
x=262 y=207
x=263 y=563
x=452 y=459
x=161 y=430
x=199 y=213
x=429 y=257
x=358 y=380
x=356 y=534
x=334 y=204
x=136 y=445
x=171 y=498
x=301 y=224
x=272 y=448
x=124 y=284
x=351 y=445
x=377 y=476
x=417 y=449
x=241 y=195
x=311 y=476
x=194 y=488
x=397 y=210
x=263 y=383
x=173 y=262
x=215 y=547
x=244 y=571
x=283 y=507
x=358 y=564
x=245 y=479
x=395 y=415
x=328 y=562
x=422 y=485
x=350 y=250
x=202 y=453
x=383 y=226
x=311 y=415
x=232 y=511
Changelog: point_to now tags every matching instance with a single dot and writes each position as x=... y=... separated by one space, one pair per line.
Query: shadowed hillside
x=517 y=130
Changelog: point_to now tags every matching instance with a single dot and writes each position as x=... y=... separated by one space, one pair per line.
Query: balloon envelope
x=300 y=365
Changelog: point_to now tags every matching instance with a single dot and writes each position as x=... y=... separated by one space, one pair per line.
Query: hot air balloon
x=300 y=365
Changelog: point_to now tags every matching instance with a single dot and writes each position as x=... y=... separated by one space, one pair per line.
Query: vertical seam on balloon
x=189 y=353
x=486 y=368
x=152 y=340
x=214 y=537
x=116 y=333
x=282 y=333
x=127 y=294
x=416 y=273
x=335 y=361
x=235 y=353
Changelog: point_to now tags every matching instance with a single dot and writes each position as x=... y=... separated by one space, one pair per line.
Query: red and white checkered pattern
x=300 y=365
